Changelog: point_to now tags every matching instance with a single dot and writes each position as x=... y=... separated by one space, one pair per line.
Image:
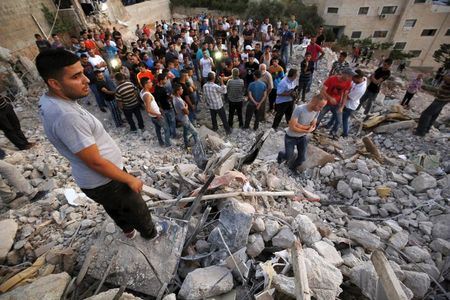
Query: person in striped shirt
x=128 y=102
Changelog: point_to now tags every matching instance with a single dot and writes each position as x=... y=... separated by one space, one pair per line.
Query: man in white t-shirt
x=206 y=66
x=359 y=85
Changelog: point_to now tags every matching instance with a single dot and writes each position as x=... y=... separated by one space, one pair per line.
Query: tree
x=399 y=55
x=442 y=56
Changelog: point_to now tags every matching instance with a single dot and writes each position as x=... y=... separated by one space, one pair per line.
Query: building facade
x=416 y=26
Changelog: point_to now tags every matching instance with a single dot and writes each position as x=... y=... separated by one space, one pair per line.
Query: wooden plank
x=301 y=278
x=389 y=280
x=25 y=274
x=152 y=192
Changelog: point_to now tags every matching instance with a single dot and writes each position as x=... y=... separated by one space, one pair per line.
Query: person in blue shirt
x=284 y=103
x=286 y=39
x=257 y=93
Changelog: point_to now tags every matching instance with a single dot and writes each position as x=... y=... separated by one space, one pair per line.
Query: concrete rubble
x=361 y=203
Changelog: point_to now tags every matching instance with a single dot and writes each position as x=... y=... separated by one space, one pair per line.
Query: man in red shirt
x=336 y=89
x=315 y=49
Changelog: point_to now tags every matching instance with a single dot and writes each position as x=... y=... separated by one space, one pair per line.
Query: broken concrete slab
x=138 y=262
x=328 y=252
x=417 y=282
x=206 y=282
x=394 y=127
x=366 y=239
x=50 y=287
x=307 y=230
x=7 y=234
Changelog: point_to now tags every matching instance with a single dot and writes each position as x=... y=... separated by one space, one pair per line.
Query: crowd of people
x=220 y=60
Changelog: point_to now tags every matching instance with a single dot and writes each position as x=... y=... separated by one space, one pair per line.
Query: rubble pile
x=241 y=225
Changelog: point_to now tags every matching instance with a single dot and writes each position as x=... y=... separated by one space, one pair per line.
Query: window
x=428 y=32
x=448 y=32
x=416 y=53
x=410 y=23
x=400 y=45
x=388 y=10
x=419 y=1
x=356 y=34
x=332 y=10
x=363 y=10
x=380 y=34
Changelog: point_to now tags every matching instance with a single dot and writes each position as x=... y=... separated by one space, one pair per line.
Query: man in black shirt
x=257 y=51
x=377 y=78
x=248 y=35
x=208 y=38
x=159 y=52
x=233 y=40
x=164 y=100
x=320 y=37
x=42 y=43
x=251 y=66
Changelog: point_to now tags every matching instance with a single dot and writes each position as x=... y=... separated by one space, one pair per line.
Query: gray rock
x=366 y=225
x=344 y=189
x=417 y=254
x=429 y=268
x=170 y=297
x=271 y=229
x=365 y=277
x=284 y=239
x=399 y=240
x=441 y=228
x=235 y=223
x=356 y=211
x=307 y=231
x=255 y=245
x=362 y=167
x=50 y=287
x=356 y=184
x=7 y=234
x=441 y=246
x=399 y=178
x=110 y=228
x=366 y=239
x=423 y=182
x=328 y=252
x=258 y=225
x=326 y=170
x=417 y=282
x=202 y=246
x=206 y=282
x=393 y=225
x=350 y=260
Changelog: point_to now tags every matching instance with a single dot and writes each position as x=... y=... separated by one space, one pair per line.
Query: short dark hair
x=343 y=53
x=359 y=73
x=83 y=55
x=176 y=86
x=184 y=71
x=37 y=35
x=211 y=76
x=144 y=81
x=96 y=72
x=141 y=64
x=161 y=77
x=389 y=61
x=51 y=63
x=292 y=73
x=54 y=34
x=257 y=74
x=119 y=76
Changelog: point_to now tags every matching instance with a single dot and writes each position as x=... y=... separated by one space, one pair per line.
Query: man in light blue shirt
x=284 y=103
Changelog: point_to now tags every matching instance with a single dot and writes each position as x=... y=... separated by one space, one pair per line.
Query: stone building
x=416 y=26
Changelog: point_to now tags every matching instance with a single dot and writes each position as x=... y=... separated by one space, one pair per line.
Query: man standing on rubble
x=95 y=158
x=303 y=121
x=375 y=81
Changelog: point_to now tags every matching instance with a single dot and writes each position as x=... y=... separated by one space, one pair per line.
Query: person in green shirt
x=292 y=25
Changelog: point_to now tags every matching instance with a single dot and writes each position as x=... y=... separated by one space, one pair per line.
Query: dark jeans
x=286 y=109
x=10 y=125
x=345 y=117
x=136 y=111
x=115 y=112
x=408 y=96
x=162 y=124
x=272 y=98
x=289 y=145
x=368 y=97
x=127 y=208
x=336 y=118
x=429 y=116
x=98 y=97
x=169 y=116
x=304 y=87
x=235 y=107
x=188 y=128
x=223 y=118
x=249 y=112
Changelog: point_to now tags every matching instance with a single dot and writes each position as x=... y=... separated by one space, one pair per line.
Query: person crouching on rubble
x=302 y=122
x=95 y=158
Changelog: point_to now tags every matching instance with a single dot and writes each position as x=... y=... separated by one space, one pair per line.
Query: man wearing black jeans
x=95 y=158
x=284 y=103
x=128 y=102
x=303 y=121
x=431 y=113
x=10 y=125
x=235 y=95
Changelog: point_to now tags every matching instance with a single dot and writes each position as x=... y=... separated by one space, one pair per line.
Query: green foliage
x=400 y=55
x=442 y=55
x=344 y=41
x=386 y=45
x=234 y=6
x=61 y=26
x=271 y=9
x=329 y=35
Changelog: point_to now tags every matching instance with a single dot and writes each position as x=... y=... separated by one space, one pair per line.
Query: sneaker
x=131 y=235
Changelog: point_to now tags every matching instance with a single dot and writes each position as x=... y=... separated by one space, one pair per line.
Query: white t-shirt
x=153 y=105
x=206 y=66
x=226 y=26
x=264 y=27
x=188 y=40
x=355 y=94
x=97 y=59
